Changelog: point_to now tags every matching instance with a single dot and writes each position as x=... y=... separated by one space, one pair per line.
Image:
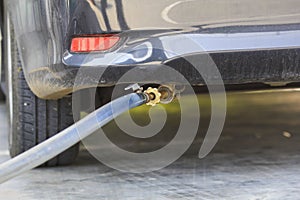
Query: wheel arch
x=45 y=22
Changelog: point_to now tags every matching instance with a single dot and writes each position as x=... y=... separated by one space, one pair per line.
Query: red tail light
x=93 y=43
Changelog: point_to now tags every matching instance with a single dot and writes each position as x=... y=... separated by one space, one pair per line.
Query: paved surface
x=257 y=157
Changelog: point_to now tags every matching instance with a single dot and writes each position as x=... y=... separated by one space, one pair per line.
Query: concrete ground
x=257 y=157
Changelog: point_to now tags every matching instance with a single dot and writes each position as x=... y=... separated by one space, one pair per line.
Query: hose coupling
x=153 y=96
x=164 y=94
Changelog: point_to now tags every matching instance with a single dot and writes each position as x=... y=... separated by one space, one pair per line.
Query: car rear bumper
x=268 y=66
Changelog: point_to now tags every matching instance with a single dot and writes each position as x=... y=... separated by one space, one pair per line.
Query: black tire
x=2 y=95
x=35 y=119
x=2 y=85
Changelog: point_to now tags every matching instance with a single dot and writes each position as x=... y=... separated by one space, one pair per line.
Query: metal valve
x=164 y=94
x=154 y=96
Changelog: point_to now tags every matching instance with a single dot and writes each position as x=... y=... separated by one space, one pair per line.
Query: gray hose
x=69 y=137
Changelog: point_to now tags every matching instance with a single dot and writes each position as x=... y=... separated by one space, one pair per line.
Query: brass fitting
x=164 y=94
x=153 y=96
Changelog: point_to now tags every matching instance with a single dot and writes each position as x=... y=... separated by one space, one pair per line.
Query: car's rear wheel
x=33 y=120
x=2 y=95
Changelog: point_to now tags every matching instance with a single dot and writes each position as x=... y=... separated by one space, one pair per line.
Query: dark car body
x=249 y=41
